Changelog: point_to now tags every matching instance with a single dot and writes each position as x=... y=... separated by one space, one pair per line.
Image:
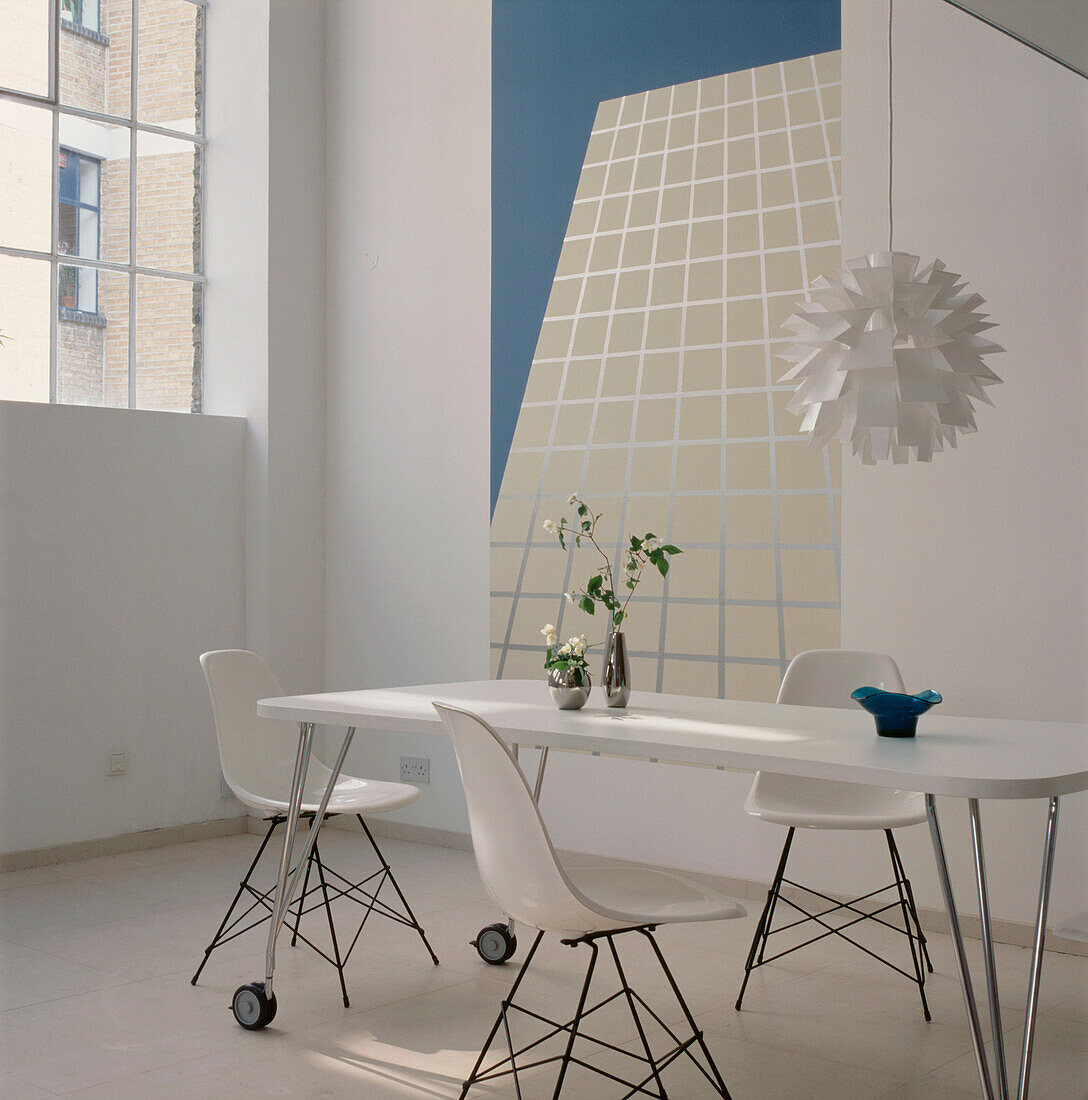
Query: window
x=101 y=198
x=81 y=13
x=79 y=193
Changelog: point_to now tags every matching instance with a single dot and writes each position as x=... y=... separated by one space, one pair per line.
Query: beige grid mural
x=702 y=213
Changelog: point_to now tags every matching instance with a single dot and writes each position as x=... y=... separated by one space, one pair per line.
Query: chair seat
x=634 y=895
x=351 y=795
x=831 y=804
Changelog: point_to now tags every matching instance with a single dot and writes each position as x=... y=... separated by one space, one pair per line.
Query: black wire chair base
x=331 y=886
x=646 y=1066
x=911 y=927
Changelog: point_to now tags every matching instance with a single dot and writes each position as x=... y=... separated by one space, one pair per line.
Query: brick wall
x=81 y=349
x=83 y=69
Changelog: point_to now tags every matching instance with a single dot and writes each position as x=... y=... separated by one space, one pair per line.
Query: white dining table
x=971 y=758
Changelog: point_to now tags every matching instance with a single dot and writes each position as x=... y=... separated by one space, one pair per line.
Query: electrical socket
x=415 y=769
x=116 y=763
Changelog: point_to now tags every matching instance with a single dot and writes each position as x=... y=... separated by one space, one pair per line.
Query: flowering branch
x=569 y=657
x=639 y=552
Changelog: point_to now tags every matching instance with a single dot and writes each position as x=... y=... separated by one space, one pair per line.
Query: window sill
x=81 y=317
x=85 y=32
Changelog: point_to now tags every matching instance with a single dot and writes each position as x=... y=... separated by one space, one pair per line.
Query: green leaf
x=636 y=543
x=617 y=618
x=583 y=510
x=595 y=583
x=586 y=604
x=670 y=549
x=662 y=566
x=562 y=541
x=630 y=584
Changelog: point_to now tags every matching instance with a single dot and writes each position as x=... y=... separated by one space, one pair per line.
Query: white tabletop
x=970 y=757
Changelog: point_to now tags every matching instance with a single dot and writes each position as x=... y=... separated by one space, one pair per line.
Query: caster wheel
x=495 y=944
x=251 y=1008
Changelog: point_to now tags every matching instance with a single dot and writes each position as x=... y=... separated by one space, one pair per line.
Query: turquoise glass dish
x=896 y=714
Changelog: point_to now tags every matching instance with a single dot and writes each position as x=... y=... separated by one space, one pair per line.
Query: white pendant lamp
x=888 y=356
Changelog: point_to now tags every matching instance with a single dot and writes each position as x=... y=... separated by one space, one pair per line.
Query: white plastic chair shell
x=258 y=754
x=519 y=866
x=825 y=678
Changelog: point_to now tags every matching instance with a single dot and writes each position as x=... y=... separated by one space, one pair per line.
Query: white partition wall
x=973 y=570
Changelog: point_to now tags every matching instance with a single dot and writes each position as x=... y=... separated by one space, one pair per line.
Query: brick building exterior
x=93 y=322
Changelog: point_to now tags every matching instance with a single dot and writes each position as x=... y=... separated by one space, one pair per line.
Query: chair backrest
x=257 y=754
x=826 y=677
x=514 y=853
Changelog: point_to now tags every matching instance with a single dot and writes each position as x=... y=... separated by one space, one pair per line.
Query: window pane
x=26 y=144
x=24 y=328
x=169 y=64
x=93 y=172
x=24 y=56
x=92 y=336
x=167 y=212
x=167 y=343
x=95 y=62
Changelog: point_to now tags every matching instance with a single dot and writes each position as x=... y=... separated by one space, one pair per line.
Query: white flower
x=564 y=651
x=549 y=634
x=549 y=525
x=578 y=646
x=573 y=499
x=653 y=544
x=571 y=599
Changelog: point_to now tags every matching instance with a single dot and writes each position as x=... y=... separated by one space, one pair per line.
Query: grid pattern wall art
x=702 y=213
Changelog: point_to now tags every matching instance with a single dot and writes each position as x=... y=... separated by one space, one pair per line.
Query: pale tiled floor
x=95 y=1000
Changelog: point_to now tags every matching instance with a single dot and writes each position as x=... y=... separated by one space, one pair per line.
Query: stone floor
x=95 y=1000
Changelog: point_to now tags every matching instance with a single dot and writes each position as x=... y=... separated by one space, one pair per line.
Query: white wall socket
x=116 y=763
x=415 y=769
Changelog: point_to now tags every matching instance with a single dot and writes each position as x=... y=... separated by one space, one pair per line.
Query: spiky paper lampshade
x=889 y=358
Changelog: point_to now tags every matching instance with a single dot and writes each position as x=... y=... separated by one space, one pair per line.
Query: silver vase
x=616 y=679
x=565 y=693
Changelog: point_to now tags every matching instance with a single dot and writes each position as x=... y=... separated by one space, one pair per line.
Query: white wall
x=121 y=539
x=408 y=277
x=942 y=565
x=132 y=541
x=972 y=569
x=265 y=228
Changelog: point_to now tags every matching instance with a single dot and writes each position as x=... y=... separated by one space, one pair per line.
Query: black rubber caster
x=495 y=944
x=252 y=1008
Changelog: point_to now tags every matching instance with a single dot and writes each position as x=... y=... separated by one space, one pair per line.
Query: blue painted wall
x=552 y=62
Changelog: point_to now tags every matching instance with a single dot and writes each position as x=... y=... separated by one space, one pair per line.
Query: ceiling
x=1058 y=28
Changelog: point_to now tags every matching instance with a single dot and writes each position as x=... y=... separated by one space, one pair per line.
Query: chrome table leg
x=285 y=891
x=988 y=952
x=1000 y=1067
x=961 y=953
x=1037 y=951
x=540 y=774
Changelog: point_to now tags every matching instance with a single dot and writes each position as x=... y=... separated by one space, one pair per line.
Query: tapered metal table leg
x=961 y=953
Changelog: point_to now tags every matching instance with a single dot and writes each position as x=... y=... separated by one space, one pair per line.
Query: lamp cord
x=890 y=2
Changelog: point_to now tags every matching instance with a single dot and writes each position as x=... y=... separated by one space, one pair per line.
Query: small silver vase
x=616 y=679
x=566 y=694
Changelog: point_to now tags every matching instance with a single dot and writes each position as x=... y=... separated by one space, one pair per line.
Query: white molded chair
x=525 y=879
x=825 y=678
x=258 y=759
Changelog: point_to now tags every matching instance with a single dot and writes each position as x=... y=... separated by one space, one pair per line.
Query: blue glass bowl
x=896 y=714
